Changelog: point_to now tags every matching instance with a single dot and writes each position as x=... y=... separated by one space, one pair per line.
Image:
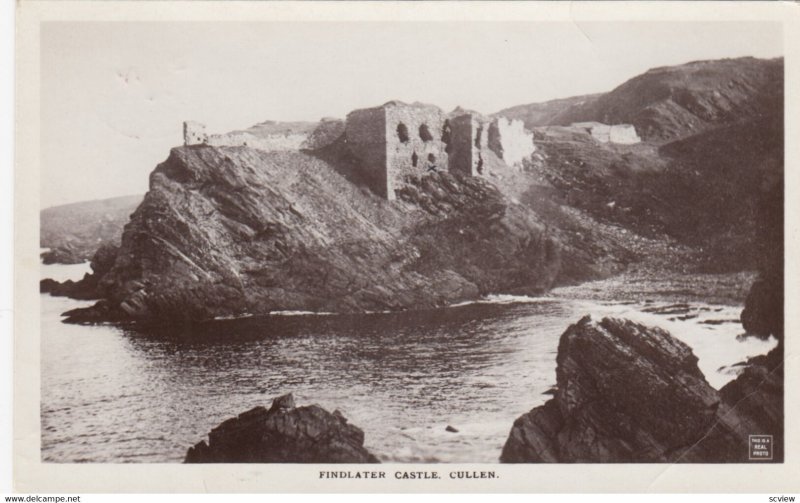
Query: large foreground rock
x=283 y=434
x=631 y=393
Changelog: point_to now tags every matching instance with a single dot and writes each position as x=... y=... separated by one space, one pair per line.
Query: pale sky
x=114 y=95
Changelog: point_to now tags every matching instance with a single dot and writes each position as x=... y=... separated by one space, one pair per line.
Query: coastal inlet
x=114 y=394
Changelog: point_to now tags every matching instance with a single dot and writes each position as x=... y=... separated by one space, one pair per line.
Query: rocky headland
x=283 y=433
x=230 y=229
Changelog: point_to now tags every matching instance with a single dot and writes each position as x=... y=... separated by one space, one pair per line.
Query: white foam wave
x=506 y=299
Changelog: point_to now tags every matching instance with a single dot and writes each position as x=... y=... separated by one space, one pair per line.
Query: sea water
x=112 y=394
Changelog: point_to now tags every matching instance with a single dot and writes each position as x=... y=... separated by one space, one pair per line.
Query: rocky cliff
x=283 y=434
x=699 y=175
x=630 y=393
x=232 y=230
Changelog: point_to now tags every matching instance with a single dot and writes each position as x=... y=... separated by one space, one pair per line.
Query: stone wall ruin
x=194 y=133
x=391 y=142
x=397 y=140
x=511 y=141
x=470 y=139
x=282 y=137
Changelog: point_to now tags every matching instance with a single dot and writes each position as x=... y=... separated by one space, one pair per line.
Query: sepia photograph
x=421 y=243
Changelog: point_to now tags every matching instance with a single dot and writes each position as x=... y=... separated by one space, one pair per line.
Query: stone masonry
x=395 y=140
x=470 y=138
x=392 y=142
x=283 y=137
x=194 y=133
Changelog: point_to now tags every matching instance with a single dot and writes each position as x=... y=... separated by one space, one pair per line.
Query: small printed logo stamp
x=760 y=447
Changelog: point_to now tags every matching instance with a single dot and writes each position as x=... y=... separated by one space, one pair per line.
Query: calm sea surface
x=121 y=395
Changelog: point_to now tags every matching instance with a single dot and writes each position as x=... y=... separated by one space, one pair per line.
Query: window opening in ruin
x=431 y=162
x=493 y=139
x=414 y=159
x=480 y=164
x=446 y=138
x=402 y=133
x=478 y=137
x=425 y=133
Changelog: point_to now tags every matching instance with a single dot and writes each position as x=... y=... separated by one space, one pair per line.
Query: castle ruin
x=392 y=141
x=395 y=140
x=194 y=133
x=269 y=136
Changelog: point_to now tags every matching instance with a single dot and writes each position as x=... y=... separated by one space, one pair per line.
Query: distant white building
x=624 y=134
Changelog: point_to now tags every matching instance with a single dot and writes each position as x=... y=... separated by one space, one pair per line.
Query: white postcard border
x=32 y=475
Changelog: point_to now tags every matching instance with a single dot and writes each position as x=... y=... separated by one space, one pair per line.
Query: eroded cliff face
x=631 y=393
x=226 y=231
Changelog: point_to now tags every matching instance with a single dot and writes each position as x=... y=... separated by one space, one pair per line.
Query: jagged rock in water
x=631 y=393
x=62 y=255
x=763 y=310
x=283 y=434
x=87 y=287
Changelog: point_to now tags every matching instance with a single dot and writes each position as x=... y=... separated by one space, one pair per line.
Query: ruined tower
x=470 y=134
x=194 y=133
x=395 y=140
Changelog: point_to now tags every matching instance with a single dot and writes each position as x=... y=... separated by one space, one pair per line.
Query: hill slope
x=73 y=232
x=672 y=102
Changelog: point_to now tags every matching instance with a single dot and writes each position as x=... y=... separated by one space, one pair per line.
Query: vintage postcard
x=406 y=247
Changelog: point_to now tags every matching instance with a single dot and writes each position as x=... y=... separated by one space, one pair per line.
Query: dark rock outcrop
x=630 y=393
x=231 y=230
x=763 y=309
x=65 y=254
x=283 y=434
x=87 y=287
